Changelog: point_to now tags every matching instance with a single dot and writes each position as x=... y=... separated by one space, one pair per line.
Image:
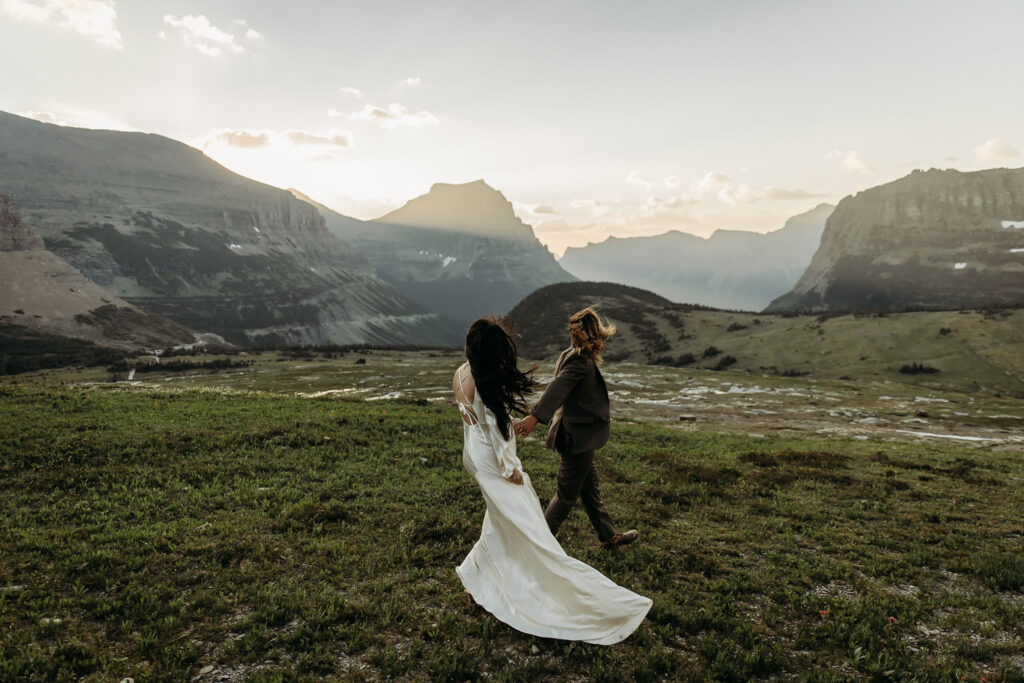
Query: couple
x=517 y=571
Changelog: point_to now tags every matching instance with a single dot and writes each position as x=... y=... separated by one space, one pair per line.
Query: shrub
x=917 y=369
x=711 y=352
x=1001 y=571
x=723 y=363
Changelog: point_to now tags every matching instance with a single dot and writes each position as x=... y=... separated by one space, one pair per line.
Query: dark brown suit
x=576 y=405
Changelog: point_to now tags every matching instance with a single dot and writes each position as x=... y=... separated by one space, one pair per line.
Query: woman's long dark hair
x=493 y=357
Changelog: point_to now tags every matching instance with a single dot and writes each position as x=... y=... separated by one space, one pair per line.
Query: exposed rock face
x=162 y=226
x=459 y=250
x=41 y=292
x=935 y=239
x=730 y=269
x=15 y=235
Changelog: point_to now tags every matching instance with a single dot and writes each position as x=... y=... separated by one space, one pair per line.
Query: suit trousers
x=577 y=478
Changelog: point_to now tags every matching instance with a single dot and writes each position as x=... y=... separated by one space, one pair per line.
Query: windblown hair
x=493 y=361
x=588 y=333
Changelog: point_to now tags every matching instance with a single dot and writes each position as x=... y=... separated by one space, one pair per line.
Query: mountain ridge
x=735 y=269
x=167 y=229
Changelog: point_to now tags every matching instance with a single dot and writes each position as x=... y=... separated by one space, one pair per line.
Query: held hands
x=525 y=426
x=516 y=478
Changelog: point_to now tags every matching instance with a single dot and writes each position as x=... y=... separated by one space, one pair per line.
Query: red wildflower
x=892 y=620
x=823 y=612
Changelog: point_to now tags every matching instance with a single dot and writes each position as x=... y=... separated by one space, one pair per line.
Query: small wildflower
x=823 y=612
x=892 y=620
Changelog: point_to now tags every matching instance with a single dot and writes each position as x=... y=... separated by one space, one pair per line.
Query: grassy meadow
x=237 y=535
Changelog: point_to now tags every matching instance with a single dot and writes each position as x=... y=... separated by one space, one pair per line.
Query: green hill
x=970 y=349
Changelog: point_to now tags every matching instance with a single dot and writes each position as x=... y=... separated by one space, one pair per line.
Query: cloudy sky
x=594 y=118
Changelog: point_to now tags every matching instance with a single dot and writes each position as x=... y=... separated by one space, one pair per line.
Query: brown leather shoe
x=621 y=539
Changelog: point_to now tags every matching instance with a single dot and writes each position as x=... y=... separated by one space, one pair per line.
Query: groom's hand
x=526 y=425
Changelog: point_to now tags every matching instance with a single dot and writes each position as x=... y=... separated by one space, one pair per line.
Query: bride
x=517 y=571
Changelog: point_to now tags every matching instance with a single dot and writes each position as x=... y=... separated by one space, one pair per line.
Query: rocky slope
x=933 y=239
x=730 y=269
x=162 y=226
x=458 y=250
x=42 y=293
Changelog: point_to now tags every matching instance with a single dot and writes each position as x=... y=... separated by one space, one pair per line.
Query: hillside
x=43 y=299
x=163 y=227
x=458 y=250
x=734 y=269
x=970 y=349
x=933 y=239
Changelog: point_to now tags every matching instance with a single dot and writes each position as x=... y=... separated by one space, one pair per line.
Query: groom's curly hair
x=493 y=361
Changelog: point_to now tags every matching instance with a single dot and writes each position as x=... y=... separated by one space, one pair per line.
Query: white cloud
x=93 y=18
x=80 y=118
x=339 y=138
x=248 y=139
x=44 y=116
x=543 y=209
x=413 y=82
x=713 y=181
x=996 y=149
x=853 y=160
x=354 y=92
x=717 y=187
x=670 y=181
x=393 y=116
x=634 y=178
x=256 y=139
x=198 y=32
x=24 y=9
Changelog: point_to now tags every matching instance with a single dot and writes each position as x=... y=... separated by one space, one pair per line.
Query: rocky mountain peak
x=15 y=235
x=473 y=207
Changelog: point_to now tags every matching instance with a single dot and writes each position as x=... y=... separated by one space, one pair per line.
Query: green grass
x=286 y=538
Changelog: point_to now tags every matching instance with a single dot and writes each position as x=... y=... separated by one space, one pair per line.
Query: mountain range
x=161 y=226
x=459 y=250
x=129 y=239
x=735 y=269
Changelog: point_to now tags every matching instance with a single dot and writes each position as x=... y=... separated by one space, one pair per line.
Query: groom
x=576 y=405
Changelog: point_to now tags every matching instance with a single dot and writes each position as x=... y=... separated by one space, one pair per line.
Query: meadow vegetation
x=165 y=535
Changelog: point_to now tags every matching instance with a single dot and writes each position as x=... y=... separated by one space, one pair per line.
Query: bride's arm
x=505 y=454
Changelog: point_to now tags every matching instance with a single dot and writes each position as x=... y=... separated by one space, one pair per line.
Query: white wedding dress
x=517 y=571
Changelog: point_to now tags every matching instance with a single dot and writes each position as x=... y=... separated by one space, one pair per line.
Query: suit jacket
x=576 y=403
